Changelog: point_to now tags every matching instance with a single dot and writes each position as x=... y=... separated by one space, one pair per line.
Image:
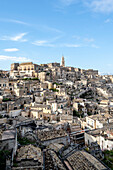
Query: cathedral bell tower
x=62 y=62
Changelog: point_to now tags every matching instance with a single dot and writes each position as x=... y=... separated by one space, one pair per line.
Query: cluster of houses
x=50 y=114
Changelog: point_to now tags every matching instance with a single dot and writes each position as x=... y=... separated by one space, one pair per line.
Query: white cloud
x=51 y=43
x=40 y=42
x=18 y=22
x=76 y=37
x=104 y=6
x=108 y=20
x=94 y=46
x=51 y=29
x=72 y=45
x=88 y=40
x=39 y=26
x=18 y=37
x=47 y=43
x=13 y=21
x=68 y=2
x=11 y=49
x=43 y=43
x=61 y=4
x=13 y=58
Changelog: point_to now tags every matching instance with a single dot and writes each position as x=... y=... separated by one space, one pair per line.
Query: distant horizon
x=100 y=73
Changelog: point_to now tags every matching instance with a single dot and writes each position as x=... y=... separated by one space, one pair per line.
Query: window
x=61 y=106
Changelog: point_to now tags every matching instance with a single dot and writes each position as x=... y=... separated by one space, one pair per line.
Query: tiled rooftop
x=47 y=135
x=52 y=162
x=29 y=152
x=84 y=161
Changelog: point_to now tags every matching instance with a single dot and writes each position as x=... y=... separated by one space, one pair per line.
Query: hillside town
x=55 y=117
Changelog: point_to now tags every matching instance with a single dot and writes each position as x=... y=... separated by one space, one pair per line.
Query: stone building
x=103 y=137
x=24 y=69
x=4 y=83
x=8 y=140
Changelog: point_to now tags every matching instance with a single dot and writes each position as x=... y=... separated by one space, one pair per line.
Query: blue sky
x=42 y=30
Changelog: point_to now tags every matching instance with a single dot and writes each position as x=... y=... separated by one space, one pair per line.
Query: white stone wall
x=99 y=124
x=89 y=139
x=14 y=113
x=90 y=122
x=104 y=143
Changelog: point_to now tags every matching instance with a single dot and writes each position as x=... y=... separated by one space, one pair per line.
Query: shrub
x=24 y=141
x=34 y=78
x=75 y=113
x=6 y=99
